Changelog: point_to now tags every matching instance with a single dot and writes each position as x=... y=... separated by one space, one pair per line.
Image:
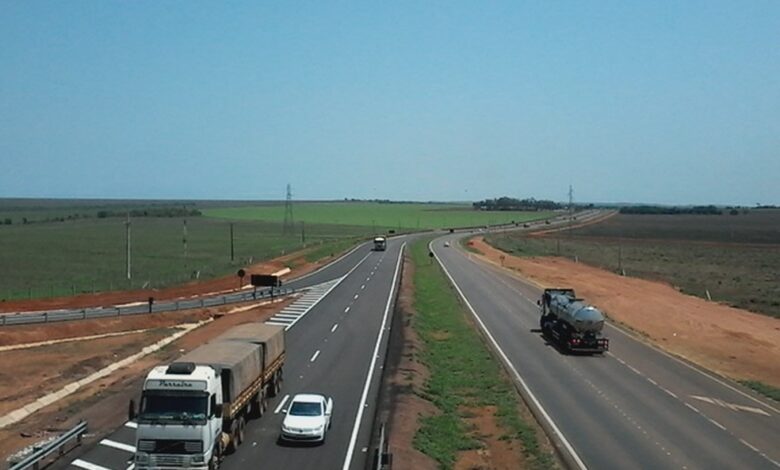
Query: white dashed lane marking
x=118 y=445
x=281 y=404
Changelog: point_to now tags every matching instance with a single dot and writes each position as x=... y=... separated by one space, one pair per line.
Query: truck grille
x=170 y=446
x=167 y=460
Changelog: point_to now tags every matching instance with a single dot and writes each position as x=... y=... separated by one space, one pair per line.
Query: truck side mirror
x=131 y=411
x=218 y=411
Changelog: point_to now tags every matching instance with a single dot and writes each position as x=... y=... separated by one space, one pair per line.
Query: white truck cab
x=179 y=418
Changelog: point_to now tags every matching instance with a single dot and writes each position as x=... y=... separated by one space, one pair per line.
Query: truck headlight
x=141 y=458
x=198 y=459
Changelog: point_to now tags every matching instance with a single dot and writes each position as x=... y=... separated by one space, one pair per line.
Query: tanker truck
x=193 y=411
x=571 y=323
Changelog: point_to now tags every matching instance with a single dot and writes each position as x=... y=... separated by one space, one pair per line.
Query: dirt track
x=733 y=342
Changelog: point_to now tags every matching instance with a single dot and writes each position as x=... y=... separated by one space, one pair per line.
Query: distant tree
x=8 y=221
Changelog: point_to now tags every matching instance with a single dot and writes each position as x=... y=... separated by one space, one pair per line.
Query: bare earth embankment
x=730 y=341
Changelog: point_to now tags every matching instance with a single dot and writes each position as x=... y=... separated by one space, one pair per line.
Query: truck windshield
x=173 y=406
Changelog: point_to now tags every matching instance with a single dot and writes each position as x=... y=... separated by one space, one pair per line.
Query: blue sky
x=628 y=101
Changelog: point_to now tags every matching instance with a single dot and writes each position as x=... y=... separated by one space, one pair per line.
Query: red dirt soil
x=730 y=341
x=103 y=404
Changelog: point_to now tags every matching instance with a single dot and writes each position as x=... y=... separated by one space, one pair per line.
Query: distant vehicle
x=574 y=325
x=380 y=244
x=194 y=411
x=308 y=418
x=446 y=244
x=526 y=225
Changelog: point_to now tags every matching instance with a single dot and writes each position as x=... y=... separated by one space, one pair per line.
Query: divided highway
x=636 y=407
x=337 y=348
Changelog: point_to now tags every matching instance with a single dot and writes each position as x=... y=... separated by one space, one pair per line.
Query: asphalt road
x=635 y=407
x=336 y=349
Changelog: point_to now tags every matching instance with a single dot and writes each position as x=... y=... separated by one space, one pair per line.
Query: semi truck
x=571 y=323
x=193 y=411
x=380 y=244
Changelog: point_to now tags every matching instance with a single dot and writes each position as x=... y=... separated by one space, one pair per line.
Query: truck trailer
x=571 y=323
x=193 y=412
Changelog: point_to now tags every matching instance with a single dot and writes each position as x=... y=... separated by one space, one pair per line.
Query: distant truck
x=380 y=244
x=571 y=323
x=193 y=411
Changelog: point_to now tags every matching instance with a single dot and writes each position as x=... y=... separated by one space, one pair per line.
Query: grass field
x=734 y=258
x=380 y=215
x=64 y=247
x=62 y=258
x=463 y=374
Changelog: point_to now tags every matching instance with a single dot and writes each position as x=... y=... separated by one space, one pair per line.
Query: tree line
x=512 y=204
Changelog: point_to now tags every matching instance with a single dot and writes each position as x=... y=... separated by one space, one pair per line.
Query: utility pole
x=184 y=237
x=303 y=233
x=127 y=246
x=232 y=252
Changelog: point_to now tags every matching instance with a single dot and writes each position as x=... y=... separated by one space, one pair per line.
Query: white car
x=446 y=244
x=307 y=419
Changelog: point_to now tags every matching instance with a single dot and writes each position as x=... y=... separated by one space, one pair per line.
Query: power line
x=289 y=222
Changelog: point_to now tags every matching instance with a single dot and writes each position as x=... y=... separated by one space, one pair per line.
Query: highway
x=336 y=349
x=635 y=407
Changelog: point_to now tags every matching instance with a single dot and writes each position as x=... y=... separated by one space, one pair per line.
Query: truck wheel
x=240 y=429
x=256 y=410
x=214 y=461
x=233 y=442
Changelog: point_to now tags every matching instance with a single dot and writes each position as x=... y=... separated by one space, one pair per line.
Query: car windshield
x=163 y=405
x=302 y=408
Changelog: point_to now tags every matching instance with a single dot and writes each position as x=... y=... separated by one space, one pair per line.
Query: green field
x=463 y=374
x=65 y=247
x=733 y=258
x=381 y=215
x=63 y=258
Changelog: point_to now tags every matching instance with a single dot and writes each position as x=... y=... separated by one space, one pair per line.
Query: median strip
x=478 y=408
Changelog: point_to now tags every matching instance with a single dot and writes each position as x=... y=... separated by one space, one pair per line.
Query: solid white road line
x=86 y=465
x=374 y=357
x=276 y=323
x=553 y=426
x=281 y=404
x=315 y=356
x=118 y=445
x=334 y=327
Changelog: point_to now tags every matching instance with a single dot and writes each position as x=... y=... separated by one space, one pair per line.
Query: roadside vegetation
x=464 y=378
x=763 y=388
x=729 y=259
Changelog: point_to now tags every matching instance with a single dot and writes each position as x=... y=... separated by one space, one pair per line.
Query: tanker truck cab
x=180 y=418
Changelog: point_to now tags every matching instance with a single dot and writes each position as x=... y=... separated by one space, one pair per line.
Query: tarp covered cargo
x=269 y=336
x=238 y=363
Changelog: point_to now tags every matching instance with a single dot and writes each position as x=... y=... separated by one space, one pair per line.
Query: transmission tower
x=289 y=223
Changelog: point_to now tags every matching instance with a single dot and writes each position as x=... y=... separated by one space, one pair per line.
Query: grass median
x=464 y=377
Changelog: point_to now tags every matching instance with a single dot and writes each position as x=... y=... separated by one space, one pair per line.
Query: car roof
x=308 y=397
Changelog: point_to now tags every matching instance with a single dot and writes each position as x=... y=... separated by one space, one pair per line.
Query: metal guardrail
x=26 y=318
x=33 y=460
x=383 y=459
